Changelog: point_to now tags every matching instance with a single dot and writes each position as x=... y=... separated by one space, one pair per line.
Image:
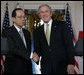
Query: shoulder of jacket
x=38 y=28
x=61 y=22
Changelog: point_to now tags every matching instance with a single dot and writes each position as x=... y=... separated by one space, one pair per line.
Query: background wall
x=76 y=8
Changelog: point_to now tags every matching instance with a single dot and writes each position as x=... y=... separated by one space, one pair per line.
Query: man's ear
x=13 y=19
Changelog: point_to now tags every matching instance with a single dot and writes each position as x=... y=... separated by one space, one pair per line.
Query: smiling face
x=45 y=13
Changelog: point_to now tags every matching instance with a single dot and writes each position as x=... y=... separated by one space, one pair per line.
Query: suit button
x=50 y=50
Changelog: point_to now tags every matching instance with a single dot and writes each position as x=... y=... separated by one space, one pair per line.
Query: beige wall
x=75 y=6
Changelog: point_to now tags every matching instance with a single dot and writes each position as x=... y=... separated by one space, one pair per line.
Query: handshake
x=35 y=57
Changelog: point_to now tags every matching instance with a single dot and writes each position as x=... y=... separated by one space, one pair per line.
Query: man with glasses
x=19 y=42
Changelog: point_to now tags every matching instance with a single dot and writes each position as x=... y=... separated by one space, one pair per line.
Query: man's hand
x=70 y=69
x=35 y=57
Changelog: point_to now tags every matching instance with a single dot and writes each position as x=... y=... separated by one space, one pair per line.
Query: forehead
x=19 y=12
x=44 y=7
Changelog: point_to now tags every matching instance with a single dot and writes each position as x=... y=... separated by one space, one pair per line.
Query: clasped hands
x=35 y=57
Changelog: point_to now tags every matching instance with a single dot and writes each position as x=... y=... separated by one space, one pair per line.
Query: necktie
x=47 y=34
x=22 y=37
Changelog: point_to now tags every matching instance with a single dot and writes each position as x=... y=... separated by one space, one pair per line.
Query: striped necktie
x=22 y=37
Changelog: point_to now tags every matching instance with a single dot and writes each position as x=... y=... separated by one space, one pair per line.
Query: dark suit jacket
x=60 y=53
x=18 y=58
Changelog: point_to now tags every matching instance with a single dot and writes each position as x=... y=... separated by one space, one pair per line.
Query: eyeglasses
x=21 y=17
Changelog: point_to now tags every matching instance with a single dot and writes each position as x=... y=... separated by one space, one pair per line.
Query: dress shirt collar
x=50 y=24
x=18 y=29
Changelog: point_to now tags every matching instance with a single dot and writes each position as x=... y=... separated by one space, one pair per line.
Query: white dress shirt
x=50 y=25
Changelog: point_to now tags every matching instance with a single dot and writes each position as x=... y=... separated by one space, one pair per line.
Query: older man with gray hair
x=54 y=43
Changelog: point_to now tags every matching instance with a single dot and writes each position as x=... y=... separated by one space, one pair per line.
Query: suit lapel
x=53 y=30
x=25 y=36
x=42 y=34
x=17 y=36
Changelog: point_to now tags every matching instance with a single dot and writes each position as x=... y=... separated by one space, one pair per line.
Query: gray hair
x=43 y=6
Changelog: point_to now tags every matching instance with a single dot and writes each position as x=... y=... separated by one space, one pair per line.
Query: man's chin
x=46 y=21
x=24 y=23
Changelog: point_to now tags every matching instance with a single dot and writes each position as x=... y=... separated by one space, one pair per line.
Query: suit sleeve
x=36 y=42
x=14 y=49
x=29 y=45
x=68 y=41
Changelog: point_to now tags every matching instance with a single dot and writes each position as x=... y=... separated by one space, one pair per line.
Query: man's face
x=19 y=20
x=45 y=14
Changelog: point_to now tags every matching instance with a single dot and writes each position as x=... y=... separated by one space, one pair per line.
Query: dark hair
x=14 y=12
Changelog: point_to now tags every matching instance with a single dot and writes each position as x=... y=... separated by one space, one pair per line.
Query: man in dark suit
x=54 y=43
x=19 y=43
